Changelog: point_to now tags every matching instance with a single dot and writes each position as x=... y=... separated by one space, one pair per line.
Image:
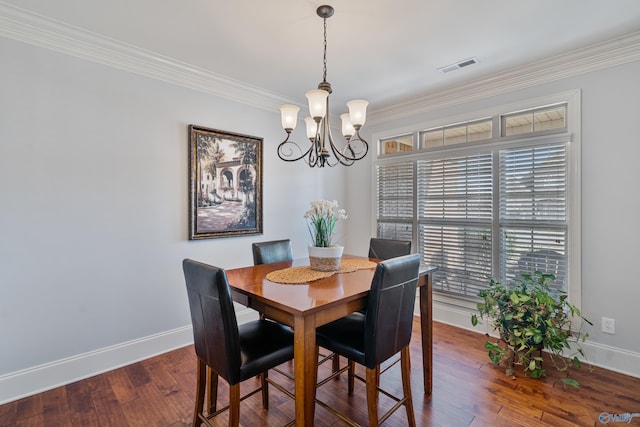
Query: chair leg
x=315 y=373
x=405 y=364
x=372 y=396
x=260 y=317
x=212 y=395
x=234 y=405
x=200 y=389
x=335 y=363
x=264 y=385
x=351 y=376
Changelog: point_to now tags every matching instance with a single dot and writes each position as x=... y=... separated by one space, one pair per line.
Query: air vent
x=458 y=65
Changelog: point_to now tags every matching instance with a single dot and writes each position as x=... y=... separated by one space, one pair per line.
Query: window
x=498 y=207
x=456 y=134
x=535 y=120
x=400 y=144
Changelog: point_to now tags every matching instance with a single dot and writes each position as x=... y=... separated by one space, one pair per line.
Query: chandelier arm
x=327 y=159
x=350 y=148
x=285 y=150
x=340 y=158
x=317 y=144
x=328 y=137
x=325 y=134
x=357 y=138
x=347 y=159
x=322 y=151
x=312 y=159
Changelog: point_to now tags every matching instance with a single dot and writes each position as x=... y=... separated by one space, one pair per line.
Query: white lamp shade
x=289 y=115
x=312 y=127
x=317 y=102
x=358 y=111
x=347 y=127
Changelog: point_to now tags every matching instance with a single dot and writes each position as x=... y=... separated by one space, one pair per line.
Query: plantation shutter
x=533 y=212
x=395 y=200
x=455 y=214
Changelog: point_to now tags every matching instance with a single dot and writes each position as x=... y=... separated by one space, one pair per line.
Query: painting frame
x=225 y=184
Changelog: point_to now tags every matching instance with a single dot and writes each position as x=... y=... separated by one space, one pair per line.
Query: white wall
x=610 y=200
x=94 y=213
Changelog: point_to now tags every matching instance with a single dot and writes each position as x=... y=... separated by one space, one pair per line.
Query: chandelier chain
x=324 y=58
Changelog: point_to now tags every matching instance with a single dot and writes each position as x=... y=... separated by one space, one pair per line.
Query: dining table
x=305 y=306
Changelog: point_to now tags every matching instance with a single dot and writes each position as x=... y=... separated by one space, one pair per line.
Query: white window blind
x=533 y=211
x=455 y=211
x=395 y=200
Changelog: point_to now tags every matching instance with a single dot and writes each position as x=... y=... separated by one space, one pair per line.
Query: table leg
x=426 y=326
x=304 y=364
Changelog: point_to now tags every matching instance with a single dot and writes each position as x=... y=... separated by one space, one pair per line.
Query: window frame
x=570 y=133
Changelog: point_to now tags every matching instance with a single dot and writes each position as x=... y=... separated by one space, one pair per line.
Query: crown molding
x=27 y=27
x=618 y=51
x=24 y=26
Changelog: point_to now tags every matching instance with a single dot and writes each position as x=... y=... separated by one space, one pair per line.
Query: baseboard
x=27 y=382
x=600 y=355
x=458 y=317
x=612 y=358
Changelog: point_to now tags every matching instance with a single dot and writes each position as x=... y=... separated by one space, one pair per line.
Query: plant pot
x=325 y=259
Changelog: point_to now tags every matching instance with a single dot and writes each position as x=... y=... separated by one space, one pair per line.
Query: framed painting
x=225 y=184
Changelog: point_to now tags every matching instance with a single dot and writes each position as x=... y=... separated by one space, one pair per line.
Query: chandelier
x=322 y=150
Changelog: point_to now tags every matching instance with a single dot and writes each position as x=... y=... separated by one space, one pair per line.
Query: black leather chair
x=272 y=251
x=223 y=348
x=381 y=249
x=372 y=338
x=388 y=248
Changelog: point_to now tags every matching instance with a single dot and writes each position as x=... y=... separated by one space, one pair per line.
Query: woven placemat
x=349 y=265
x=304 y=274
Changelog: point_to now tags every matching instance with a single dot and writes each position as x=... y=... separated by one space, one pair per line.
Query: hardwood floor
x=468 y=391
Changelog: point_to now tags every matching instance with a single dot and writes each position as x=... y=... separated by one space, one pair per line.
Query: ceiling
x=378 y=50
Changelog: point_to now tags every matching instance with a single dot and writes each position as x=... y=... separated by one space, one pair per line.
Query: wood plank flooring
x=468 y=391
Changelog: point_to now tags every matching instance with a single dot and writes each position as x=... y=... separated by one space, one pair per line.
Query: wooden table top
x=301 y=298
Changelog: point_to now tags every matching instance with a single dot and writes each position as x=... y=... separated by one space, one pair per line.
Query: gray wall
x=93 y=210
x=94 y=213
x=610 y=200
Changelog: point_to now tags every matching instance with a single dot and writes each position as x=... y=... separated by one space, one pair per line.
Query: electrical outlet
x=608 y=325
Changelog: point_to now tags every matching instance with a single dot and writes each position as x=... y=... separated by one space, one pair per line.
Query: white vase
x=325 y=259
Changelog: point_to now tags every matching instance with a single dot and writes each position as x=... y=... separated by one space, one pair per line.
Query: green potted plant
x=529 y=317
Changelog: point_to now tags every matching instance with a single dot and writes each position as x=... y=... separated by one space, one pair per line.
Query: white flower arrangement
x=323 y=216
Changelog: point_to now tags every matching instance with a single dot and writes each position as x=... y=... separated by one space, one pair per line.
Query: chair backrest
x=388 y=248
x=215 y=328
x=272 y=251
x=389 y=314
